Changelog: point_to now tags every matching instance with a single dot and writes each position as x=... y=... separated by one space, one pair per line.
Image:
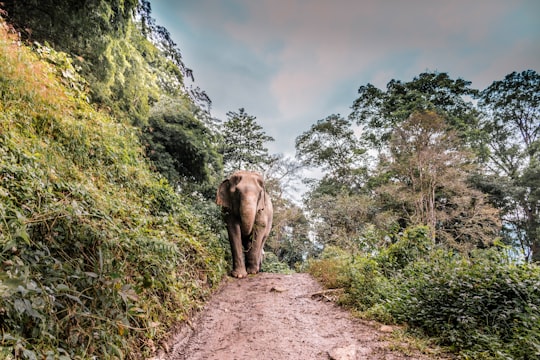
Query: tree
x=379 y=112
x=181 y=147
x=342 y=219
x=130 y=65
x=427 y=171
x=289 y=238
x=243 y=143
x=332 y=145
x=511 y=123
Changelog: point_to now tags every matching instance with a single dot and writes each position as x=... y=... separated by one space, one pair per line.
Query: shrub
x=331 y=269
x=99 y=254
x=483 y=305
x=272 y=264
x=359 y=276
x=415 y=243
x=367 y=285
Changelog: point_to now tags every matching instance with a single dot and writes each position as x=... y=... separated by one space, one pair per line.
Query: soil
x=276 y=316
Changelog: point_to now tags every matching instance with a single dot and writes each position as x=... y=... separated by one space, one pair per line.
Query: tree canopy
x=380 y=111
x=243 y=145
x=511 y=124
x=131 y=65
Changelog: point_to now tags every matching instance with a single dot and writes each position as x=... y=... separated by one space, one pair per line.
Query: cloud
x=293 y=62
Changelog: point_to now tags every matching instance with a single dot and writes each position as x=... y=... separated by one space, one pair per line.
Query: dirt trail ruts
x=275 y=316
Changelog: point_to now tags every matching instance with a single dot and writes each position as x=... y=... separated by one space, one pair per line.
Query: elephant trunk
x=248 y=211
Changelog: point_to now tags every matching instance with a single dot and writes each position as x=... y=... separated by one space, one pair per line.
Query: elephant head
x=248 y=214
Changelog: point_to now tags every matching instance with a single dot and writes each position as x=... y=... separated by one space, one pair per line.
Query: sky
x=291 y=63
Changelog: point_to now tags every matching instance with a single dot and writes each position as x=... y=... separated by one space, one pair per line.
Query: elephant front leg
x=254 y=255
x=235 y=239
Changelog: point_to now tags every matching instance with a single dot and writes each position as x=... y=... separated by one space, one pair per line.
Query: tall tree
x=380 y=111
x=244 y=143
x=181 y=147
x=512 y=125
x=332 y=145
x=427 y=172
x=289 y=238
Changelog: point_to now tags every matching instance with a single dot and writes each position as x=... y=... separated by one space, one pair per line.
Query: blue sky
x=291 y=63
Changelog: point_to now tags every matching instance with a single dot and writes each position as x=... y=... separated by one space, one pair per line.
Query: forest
x=110 y=160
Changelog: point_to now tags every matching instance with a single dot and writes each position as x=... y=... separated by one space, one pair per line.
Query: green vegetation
x=243 y=143
x=109 y=164
x=483 y=306
x=99 y=255
x=134 y=71
x=434 y=214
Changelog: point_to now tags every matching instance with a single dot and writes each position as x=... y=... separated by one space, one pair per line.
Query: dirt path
x=275 y=316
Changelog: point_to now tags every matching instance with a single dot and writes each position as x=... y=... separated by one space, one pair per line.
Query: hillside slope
x=99 y=254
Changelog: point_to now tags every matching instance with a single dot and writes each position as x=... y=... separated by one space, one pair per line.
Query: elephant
x=248 y=213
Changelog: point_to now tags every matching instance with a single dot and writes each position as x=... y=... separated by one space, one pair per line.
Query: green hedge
x=483 y=305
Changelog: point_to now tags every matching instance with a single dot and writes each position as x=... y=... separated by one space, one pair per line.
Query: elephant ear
x=262 y=200
x=223 y=197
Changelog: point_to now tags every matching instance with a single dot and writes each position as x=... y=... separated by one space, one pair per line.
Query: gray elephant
x=248 y=214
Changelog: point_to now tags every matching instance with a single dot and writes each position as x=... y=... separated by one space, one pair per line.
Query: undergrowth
x=272 y=264
x=482 y=305
x=99 y=255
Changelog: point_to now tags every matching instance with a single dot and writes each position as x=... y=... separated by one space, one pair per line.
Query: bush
x=99 y=254
x=483 y=305
x=272 y=264
x=414 y=244
x=359 y=276
x=331 y=269
x=367 y=285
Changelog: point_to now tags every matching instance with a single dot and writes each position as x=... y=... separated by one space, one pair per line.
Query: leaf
x=62 y=287
x=127 y=293
x=91 y=274
x=18 y=304
x=74 y=298
x=29 y=354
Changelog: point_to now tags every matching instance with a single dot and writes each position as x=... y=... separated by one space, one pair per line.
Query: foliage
x=289 y=239
x=330 y=268
x=427 y=171
x=512 y=125
x=342 y=223
x=485 y=305
x=379 y=112
x=243 y=143
x=181 y=146
x=272 y=264
x=99 y=255
x=413 y=244
x=130 y=65
x=331 y=145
